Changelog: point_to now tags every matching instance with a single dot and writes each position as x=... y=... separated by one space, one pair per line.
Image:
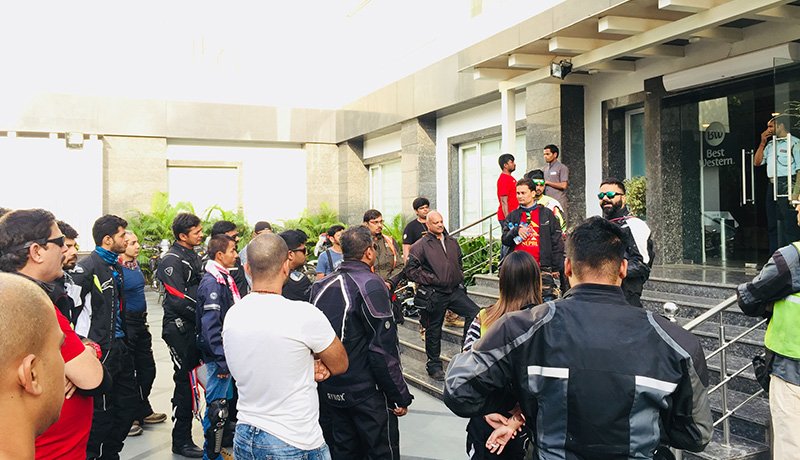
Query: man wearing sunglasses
x=32 y=246
x=639 y=252
x=297 y=285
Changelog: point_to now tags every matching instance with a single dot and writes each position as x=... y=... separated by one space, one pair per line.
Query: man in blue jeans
x=271 y=344
x=216 y=294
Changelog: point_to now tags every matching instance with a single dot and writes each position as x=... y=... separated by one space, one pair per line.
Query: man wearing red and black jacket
x=180 y=271
x=534 y=229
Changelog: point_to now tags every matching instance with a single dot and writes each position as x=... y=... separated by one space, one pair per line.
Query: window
x=478 y=178
x=634 y=143
x=384 y=188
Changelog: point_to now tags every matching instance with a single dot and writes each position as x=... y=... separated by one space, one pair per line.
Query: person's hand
x=499 y=438
x=555 y=275
x=523 y=232
x=495 y=420
x=388 y=286
x=69 y=388
x=400 y=411
x=766 y=135
x=321 y=371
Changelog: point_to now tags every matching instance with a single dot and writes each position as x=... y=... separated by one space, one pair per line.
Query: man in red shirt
x=506 y=188
x=534 y=229
x=33 y=247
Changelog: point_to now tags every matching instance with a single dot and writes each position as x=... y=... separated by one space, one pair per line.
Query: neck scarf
x=223 y=276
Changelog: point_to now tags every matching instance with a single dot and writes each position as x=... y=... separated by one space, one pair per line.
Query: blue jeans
x=250 y=443
x=216 y=388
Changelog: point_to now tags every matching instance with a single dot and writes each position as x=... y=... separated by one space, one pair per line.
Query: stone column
x=418 y=161
x=353 y=182
x=664 y=209
x=134 y=169
x=555 y=115
x=322 y=176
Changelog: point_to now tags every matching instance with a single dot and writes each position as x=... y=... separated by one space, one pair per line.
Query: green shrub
x=636 y=189
x=476 y=252
x=313 y=224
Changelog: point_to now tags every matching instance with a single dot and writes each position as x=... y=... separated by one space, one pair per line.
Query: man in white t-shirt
x=270 y=347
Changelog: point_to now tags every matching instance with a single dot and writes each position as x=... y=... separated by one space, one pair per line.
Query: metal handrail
x=671 y=309
x=470 y=225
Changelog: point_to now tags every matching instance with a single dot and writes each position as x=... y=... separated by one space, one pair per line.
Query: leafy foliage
x=476 y=253
x=394 y=228
x=636 y=189
x=313 y=224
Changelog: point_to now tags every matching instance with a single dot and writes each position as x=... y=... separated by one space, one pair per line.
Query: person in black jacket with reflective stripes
x=359 y=409
x=102 y=320
x=595 y=377
x=180 y=270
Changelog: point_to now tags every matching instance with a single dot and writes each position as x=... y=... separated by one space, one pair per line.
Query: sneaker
x=135 y=430
x=437 y=375
x=453 y=320
x=155 y=417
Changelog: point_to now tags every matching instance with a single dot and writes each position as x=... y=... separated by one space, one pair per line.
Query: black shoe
x=438 y=375
x=188 y=450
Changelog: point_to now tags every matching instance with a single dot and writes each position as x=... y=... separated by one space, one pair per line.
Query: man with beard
x=639 y=246
x=32 y=246
x=64 y=290
x=102 y=320
x=298 y=286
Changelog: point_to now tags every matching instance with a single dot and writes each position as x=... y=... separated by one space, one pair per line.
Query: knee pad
x=218 y=418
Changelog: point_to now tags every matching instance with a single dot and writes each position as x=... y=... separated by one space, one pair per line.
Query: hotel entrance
x=715 y=132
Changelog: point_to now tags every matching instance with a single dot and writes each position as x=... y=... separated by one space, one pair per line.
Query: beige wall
x=134 y=169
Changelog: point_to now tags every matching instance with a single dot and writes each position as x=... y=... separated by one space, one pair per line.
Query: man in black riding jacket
x=594 y=377
x=359 y=409
x=102 y=320
x=180 y=270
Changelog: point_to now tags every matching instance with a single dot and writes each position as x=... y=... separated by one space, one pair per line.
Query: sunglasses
x=609 y=194
x=538 y=181
x=304 y=250
x=57 y=241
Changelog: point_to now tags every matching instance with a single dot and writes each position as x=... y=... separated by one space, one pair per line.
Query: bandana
x=132 y=265
x=223 y=276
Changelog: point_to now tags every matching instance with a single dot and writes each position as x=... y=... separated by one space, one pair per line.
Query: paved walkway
x=429 y=431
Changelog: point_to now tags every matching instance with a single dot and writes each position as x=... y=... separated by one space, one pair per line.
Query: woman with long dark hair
x=489 y=437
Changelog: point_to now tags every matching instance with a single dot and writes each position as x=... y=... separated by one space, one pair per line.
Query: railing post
x=491 y=246
x=723 y=374
x=670 y=311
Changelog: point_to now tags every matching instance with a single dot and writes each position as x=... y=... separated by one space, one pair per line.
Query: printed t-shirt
x=531 y=243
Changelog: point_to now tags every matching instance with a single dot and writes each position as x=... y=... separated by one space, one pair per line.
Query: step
x=483 y=296
x=412 y=345
x=694 y=306
x=691 y=288
x=745 y=382
x=752 y=421
x=739 y=449
x=449 y=334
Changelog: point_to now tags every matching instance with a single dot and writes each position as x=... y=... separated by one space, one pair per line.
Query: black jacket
x=606 y=380
x=180 y=270
x=356 y=302
x=213 y=302
x=639 y=250
x=551 y=243
x=429 y=265
x=297 y=286
x=98 y=298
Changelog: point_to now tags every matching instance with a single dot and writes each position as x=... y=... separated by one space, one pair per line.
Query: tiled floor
x=429 y=431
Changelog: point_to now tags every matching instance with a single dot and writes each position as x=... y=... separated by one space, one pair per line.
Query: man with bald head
x=270 y=347
x=31 y=368
x=434 y=263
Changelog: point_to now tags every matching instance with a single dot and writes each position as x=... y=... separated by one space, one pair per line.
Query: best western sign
x=714 y=154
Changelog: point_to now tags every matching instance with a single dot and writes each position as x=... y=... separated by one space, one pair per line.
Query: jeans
x=216 y=388
x=251 y=443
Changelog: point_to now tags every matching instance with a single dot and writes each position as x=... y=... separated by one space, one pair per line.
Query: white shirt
x=268 y=345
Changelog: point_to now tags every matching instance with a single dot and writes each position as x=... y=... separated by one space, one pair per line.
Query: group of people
x=563 y=363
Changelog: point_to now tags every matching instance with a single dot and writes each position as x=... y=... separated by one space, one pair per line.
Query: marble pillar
x=418 y=162
x=134 y=169
x=353 y=182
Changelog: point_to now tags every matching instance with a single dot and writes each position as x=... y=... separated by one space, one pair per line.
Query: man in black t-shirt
x=416 y=228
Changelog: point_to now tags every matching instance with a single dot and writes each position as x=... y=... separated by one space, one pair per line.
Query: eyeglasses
x=609 y=194
x=304 y=250
x=57 y=241
x=376 y=222
x=538 y=181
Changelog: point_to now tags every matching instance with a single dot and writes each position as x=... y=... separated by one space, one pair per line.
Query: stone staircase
x=749 y=425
